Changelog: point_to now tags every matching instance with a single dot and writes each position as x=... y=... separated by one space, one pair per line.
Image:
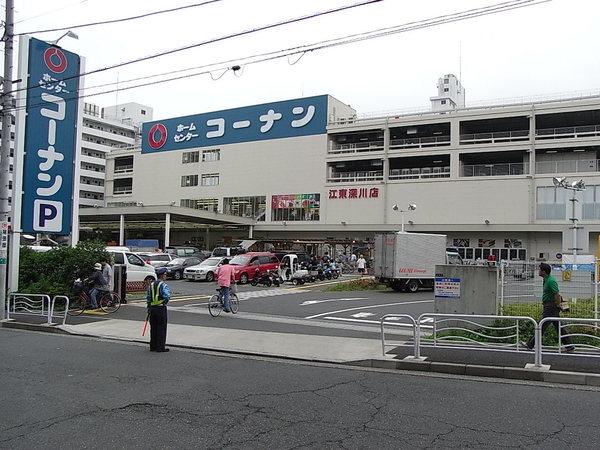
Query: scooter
x=266 y=279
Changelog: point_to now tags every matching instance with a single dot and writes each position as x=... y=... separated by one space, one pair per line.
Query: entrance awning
x=247 y=244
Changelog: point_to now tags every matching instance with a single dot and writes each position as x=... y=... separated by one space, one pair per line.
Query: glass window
x=211 y=155
x=514 y=254
x=118 y=258
x=210 y=179
x=189 y=180
x=295 y=207
x=264 y=259
x=469 y=253
x=190 y=157
x=135 y=260
x=504 y=253
x=253 y=207
x=204 y=204
x=478 y=253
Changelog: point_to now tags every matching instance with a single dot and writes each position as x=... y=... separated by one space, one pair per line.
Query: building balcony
x=437 y=141
x=356 y=147
x=128 y=168
x=122 y=190
x=494 y=170
x=568 y=132
x=419 y=173
x=494 y=138
x=91 y=187
x=574 y=166
x=350 y=177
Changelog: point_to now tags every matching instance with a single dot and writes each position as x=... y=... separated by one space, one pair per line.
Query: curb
x=514 y=373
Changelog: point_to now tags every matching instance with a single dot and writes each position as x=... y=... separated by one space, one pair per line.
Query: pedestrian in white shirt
x=361 y=264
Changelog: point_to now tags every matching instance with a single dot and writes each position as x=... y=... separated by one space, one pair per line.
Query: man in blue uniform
x=157 y=297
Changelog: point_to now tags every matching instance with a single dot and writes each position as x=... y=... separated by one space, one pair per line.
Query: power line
x=123 y=19
x=52 y=11
x=269 y=56
x=218 y=39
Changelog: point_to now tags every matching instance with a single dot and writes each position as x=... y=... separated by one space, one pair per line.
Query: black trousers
x=550 y=310
x=158 y=327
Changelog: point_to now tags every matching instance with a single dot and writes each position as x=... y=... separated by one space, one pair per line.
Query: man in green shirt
x=551 y=305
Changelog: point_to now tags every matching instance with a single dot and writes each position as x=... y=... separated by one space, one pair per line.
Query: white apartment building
x=104 y=130
x=483 y=176
x=12 y=150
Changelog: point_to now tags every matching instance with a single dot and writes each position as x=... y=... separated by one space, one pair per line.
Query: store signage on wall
x=487 y=243
x=50 y=138
x=291 y=118
x=513 y=243
x=293 y=201
x=447 y=287
x=461 y=242
x=354 y=193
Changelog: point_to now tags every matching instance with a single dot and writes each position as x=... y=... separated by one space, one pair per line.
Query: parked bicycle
x=109 y=302
x=215 y=303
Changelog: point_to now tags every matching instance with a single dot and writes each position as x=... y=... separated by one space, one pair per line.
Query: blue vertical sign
x=50 y=139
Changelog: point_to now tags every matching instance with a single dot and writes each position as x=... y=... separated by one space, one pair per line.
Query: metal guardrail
x=446 y=341
x=491 y=170
x=342 y=177
x=572 y=321
x=491 y=138
x=37 y=305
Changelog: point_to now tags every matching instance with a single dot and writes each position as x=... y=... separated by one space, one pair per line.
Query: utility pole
x=5 y=148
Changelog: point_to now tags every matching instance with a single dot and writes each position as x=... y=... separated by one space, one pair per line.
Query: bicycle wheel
x=77 y=305
x=214 y=306
x=110 y=302
x=234 y=303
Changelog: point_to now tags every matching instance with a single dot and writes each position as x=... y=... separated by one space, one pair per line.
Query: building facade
x=104 y=130
x=482 y=176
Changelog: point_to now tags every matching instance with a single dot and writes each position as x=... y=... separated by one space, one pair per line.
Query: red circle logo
x=157 y=136
x=55 y=60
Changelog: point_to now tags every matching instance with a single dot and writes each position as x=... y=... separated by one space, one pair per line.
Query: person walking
x=361 y=265
x=157 y=298
x=551 y=307
x=225 y=277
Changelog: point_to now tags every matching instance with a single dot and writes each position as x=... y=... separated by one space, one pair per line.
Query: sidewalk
x=286 y=345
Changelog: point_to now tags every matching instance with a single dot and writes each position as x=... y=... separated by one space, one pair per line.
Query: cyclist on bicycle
x=225 y=276
x=98 y=283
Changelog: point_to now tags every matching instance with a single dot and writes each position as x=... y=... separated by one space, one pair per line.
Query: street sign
x=559 y=256
x=447 y=287
x=50 y=138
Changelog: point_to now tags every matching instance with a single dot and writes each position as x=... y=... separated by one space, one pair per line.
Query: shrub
x=53 y=272
x=361 y=284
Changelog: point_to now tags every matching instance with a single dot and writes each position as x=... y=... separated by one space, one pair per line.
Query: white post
x=575 y=227
x=402 y=220
x=250 y=231
x=167 y=229
x=122 y=230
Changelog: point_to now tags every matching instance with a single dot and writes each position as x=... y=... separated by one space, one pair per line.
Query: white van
x=137 y=269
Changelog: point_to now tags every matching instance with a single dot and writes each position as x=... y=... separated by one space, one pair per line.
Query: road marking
x=362 y=315
x=314 y=302
x=377 y=322
x=367 y=307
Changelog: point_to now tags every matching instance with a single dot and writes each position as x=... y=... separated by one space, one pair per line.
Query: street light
x=67 y=34
x=574 y=186
x=411 y=207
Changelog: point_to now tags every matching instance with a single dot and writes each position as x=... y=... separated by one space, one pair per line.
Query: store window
x=551 y=203
x=203 y=204
x=253 y=207
x=295 y=207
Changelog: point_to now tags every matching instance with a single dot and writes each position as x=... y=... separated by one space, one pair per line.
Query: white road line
x=367 y=307
x=314 y=302
x=377 y=322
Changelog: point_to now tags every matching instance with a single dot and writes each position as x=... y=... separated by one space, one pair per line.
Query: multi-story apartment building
x=483 y=176
x=104 y=130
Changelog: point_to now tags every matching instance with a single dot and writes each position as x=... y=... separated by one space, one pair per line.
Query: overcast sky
x=549 y=48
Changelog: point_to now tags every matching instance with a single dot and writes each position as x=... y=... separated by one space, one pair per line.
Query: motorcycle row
x=297 y=273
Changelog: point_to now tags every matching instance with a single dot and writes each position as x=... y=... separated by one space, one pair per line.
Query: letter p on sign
x=47 y=216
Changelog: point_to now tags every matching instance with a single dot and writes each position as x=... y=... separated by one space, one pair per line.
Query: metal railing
x=496 y=137
x=493 y=170
x=124 y=169
x=356 y=147
x=38 y=305
x=342 y=177
x=54 y=310
x=396 y=318
x=122 y=190
x=567 y=132
x=573 y=322
x=437 y=141
x=571 y=166
x=419 y=173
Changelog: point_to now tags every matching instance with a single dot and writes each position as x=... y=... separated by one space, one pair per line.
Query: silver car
x=204 y=271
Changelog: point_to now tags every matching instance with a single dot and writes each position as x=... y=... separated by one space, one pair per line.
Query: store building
x=310 y=170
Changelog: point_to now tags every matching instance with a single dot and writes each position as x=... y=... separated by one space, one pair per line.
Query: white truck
x=406 y=261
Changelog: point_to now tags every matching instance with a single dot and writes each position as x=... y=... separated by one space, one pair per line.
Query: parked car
x=157 y=259
x=176 y=266
x=204 y=271
x=252 y=264
x=137 y=268
x=182 y=250
x=228 y=251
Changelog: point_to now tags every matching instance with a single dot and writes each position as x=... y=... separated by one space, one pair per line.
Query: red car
x=252 y=264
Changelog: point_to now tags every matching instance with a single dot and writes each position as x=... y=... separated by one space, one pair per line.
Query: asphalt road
x=63 y=391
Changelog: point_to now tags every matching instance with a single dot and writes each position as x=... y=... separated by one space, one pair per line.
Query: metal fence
x=38 y=305
x=520 y=288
